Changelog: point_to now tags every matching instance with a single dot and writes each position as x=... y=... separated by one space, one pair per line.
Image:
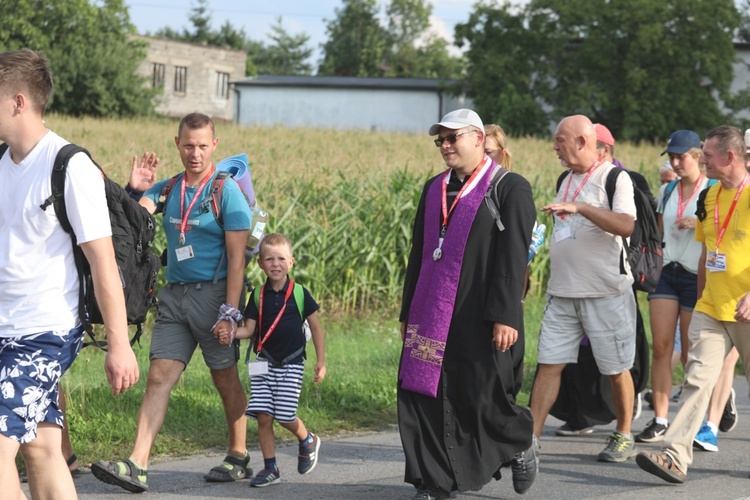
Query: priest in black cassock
x=461 y=313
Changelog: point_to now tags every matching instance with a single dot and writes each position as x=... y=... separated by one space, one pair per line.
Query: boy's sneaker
x=729 y=418
x=567 y=430
x=308 y=456
x=706 y=440
x=266 y=477
x=619 y=448
x=654 y=432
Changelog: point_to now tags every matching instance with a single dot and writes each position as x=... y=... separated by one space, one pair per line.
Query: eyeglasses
x=451 y=138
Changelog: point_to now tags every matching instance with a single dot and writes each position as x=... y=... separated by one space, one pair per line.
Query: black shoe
x=653 y=433
x=431 y=494
x=524 y=467
x=729 y=418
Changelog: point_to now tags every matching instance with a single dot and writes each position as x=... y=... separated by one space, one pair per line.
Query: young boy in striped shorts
x=276 y=374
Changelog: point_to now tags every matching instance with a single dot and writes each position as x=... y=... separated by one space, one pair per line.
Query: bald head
x=575 y=143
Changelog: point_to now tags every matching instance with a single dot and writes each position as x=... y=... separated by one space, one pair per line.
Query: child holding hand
x=276 y=374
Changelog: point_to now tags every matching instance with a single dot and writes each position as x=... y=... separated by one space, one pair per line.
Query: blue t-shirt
x=288 y=336
x=203 y=235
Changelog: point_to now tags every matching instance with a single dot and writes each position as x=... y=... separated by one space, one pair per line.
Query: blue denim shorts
x=30 y=368
x=677 y=283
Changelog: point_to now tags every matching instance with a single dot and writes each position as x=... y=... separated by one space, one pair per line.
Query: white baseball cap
x=457 y=119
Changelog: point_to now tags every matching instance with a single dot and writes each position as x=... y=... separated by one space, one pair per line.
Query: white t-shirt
x=584 y=259
x=679 y=244
x=38 y=276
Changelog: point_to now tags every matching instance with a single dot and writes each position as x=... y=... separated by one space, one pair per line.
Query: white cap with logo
x=457 y=119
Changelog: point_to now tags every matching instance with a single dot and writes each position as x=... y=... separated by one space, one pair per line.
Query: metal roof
x=345 y=82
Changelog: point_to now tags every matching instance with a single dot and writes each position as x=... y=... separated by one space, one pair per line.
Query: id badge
x=185 y=253
x=257 y=368
x=716 y=261
x=562 y=234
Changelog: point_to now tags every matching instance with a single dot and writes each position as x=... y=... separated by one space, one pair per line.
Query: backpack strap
x=217 y=188
x=700 y=208
x=299 y=298
x=492 y=201
x=610 y=184
x=57 y=200
x=166 y=190
x=560 y=180
x=668 y=192
x=284 y=361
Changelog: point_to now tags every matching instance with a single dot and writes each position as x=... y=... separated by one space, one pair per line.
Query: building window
x=222 y=85
x=157 y=80
x=180 y=79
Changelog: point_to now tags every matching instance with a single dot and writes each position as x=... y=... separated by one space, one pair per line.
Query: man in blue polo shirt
x=205 y=270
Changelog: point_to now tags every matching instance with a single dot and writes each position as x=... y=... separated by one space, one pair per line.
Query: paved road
x=371 y=467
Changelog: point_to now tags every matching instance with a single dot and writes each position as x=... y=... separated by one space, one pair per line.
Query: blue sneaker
x=266 y=477
x=706 y=440
x=308 y=456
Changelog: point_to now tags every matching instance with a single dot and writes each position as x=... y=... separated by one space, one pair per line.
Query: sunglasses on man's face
x=452 y=138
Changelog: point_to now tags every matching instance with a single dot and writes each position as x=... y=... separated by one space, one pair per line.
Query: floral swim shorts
x=30 y=369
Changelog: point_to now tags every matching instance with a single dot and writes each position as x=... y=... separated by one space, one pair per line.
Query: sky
x=257 y=16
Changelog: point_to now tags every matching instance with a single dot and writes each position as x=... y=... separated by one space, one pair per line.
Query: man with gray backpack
x=41 y=328
x=205 y=273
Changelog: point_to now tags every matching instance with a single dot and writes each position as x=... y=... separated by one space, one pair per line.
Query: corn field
x=346 y=199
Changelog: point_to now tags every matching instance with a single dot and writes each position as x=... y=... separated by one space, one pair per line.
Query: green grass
x=359 y=392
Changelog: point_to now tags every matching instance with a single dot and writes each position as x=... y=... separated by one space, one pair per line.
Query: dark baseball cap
x=681 y=141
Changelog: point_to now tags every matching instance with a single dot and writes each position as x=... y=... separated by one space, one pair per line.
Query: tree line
x=642 y=68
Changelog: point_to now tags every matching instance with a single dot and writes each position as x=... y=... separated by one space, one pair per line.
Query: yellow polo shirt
x=725 y=288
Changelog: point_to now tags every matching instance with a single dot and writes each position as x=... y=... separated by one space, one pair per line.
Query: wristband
x=133 y=193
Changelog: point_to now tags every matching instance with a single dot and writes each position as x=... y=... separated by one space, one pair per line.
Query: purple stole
x=431 y=309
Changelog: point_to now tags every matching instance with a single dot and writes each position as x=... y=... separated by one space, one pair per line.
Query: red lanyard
x=585 y=180
x=183 y=214
x=720 y=232
x=444 y=202
x=262 y=339
x=682 y=206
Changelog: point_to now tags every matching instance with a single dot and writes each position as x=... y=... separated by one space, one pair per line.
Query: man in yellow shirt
x=721 y=318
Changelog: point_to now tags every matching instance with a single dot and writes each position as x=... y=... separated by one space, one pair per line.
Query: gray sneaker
x=619 y=448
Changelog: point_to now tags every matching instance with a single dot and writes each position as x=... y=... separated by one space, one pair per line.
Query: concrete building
x=383 y=104
x=193 y=77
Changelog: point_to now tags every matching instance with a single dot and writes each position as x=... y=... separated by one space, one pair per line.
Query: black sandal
x=132 y=478
x=73 y=472
x=231 y=469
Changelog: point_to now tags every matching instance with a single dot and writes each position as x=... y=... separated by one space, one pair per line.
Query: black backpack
x=133 y=231
x=645 y=253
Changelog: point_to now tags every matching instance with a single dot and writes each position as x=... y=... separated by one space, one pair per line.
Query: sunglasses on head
x=452 y=138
